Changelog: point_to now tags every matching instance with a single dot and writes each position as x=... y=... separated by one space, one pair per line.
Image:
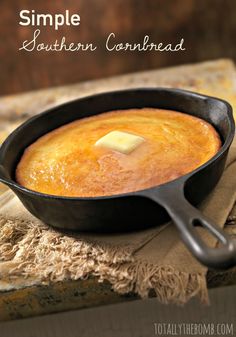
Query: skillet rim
x=227 y=142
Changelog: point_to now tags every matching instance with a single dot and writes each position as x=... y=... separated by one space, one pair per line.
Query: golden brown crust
x=65 y=161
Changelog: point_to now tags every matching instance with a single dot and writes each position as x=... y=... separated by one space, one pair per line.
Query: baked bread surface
x=66 y=162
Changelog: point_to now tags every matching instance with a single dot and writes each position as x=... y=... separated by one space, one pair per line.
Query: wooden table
x=24 y=297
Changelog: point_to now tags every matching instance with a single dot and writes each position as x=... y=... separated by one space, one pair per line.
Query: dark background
x=208 y=27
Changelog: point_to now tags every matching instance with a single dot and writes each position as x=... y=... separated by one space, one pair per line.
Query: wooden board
x=135 y=319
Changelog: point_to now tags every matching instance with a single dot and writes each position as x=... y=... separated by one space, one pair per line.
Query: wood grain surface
x=208 y=27
x=134 y=319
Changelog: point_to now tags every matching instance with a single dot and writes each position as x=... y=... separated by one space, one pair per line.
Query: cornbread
x=67 y=161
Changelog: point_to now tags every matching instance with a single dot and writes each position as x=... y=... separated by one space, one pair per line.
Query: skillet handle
x=186 y=217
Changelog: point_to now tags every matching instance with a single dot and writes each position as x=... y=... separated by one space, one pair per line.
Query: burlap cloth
x=154 y=260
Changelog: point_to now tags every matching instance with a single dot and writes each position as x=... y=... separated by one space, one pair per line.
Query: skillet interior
x=120 y=212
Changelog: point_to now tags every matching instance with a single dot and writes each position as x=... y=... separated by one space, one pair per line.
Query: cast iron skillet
x=132 y=211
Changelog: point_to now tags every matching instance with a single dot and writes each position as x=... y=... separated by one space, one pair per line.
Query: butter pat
x=123 y=142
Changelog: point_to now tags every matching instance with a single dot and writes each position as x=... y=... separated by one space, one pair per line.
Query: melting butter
x=120 y=141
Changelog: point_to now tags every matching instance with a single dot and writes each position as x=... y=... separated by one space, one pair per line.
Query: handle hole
x=215 y=232
x=197 y=223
